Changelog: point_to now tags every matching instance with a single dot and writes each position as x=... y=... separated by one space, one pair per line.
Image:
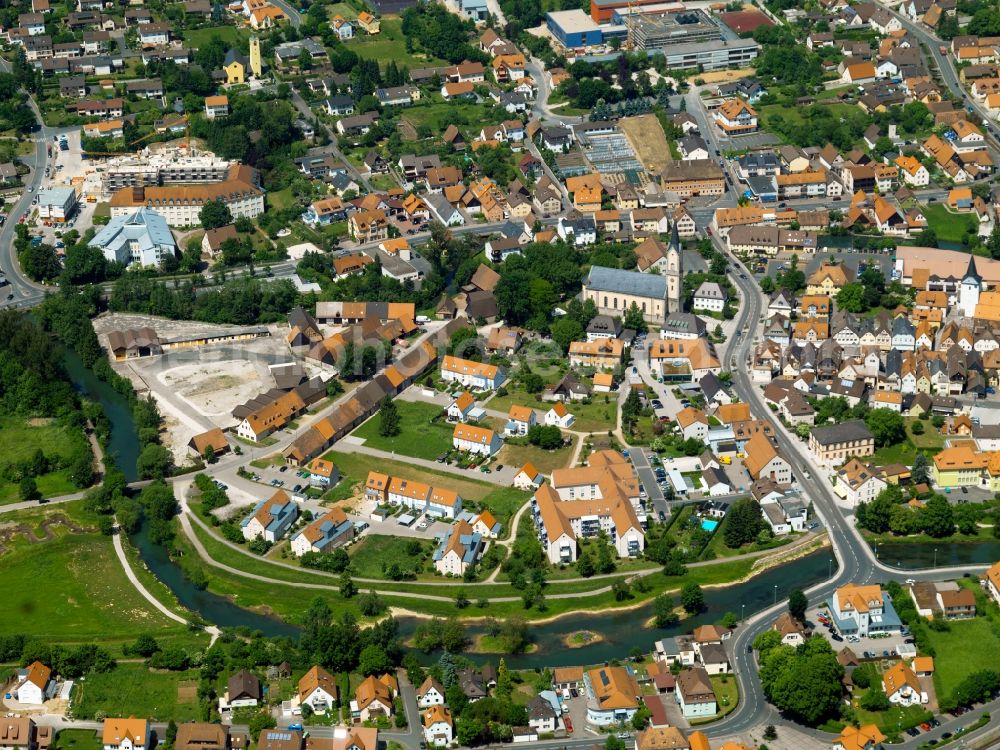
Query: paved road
x=856 y=562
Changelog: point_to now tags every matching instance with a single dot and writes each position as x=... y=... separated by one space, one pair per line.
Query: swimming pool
x=709 y=524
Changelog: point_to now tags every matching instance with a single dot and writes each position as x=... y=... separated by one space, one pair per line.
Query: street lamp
x=743 y=612
x=935 y=557
x=775 y=593
x=829 y=568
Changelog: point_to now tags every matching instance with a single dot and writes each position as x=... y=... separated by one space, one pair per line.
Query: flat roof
x=573 y=21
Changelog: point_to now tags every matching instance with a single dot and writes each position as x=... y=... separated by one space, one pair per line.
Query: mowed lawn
x=390 y=44
x=502 y=502
x=375 y=551
x=597 y=416
x=77 y=739
x=545 y=461
x=196 y=38
x=72 y=588
x=134 y=690
x=19 y=440
x=419 y=436
x=952 y=662
x=948 y=226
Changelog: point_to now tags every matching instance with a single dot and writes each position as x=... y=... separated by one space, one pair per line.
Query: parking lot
x=876 y=646
x=69 y=169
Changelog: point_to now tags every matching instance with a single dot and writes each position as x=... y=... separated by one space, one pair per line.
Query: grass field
x=375 y=551
x=795 y=116
x=72 y=588
x=948 y=226
x=648 y=141
x=544 y=461
x=199 y=37
x=77 y=739
x=418 y=437
x=18 y=442
x=726 y=691
x=280 y=199
x=597 y=416
x=438 y=115
x=390 y=44
x=951 y=662
x=134 y=690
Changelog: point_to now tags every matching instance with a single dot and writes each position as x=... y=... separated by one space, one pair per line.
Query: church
x=657 y=288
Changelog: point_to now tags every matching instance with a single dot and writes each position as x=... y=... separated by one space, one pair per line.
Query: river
x=622 y=630
x=910 y=556
x=619 y=630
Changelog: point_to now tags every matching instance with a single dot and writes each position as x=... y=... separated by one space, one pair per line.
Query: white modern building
x=142 y=237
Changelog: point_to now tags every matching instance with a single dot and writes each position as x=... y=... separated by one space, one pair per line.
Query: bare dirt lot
x=721 y=76
x=215 y=388
x=647 y=140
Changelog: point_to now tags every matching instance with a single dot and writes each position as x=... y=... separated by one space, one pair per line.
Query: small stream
x=619 y=630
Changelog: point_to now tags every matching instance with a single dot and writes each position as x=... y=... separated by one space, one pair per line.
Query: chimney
x=892 y=132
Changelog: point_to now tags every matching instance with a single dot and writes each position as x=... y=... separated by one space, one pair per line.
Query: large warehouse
x=574 y=29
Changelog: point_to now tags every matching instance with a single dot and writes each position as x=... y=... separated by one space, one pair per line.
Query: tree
x=804 y=682
x=936 y=518
x=259 y=722
x=851 y=298
x=797 y=605
x=744 y=523
x=547 y=437
x=171 y=732
x=874 y=699
x=504 y=686
x=886 y=425
x=634 y=319
x=145 y=646
x=663 y=612
x=374 y=660
x=585 y=565
x=388 y=415
x=347 y=587
x=566 y=330
x=153 y=462
x=215 y=214
x=453 y=636
x=692 y=598
x=920 y=473
x=28 y=490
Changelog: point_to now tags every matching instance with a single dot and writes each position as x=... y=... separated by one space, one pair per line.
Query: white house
x=271 y=518
x=125 y=734
x=529 y=478
x=857 y=483
x=438 y=726
x=613 y=695
x=472 y=439
x=558 y=416
x=520 y=419
x=902 y=687
x=991 y=581
x=693 y=423
x=143 y=238
x=695 y=694
x=331 y=530
x=709 y=296
x=860 y=610
x=32 y=684
x=476 y=375
x=430 y=693
x=318 y=690
x=459 y=409
x=458 y=550
x=542 y=717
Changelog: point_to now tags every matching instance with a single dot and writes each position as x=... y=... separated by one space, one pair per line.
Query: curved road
x=855 y=559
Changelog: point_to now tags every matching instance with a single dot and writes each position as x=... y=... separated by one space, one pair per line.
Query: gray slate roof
x=602 y=279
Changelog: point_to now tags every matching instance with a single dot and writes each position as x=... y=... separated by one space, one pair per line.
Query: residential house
x=472 y=439
x=270 y=519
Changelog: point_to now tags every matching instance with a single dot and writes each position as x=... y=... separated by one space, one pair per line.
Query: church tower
x=674 y=272
x=968 y=292
x=255 y=66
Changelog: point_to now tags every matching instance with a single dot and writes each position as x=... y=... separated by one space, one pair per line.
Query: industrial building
x=712 y=55
x=162 y=168
x=574 y=29
x=665 y=30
